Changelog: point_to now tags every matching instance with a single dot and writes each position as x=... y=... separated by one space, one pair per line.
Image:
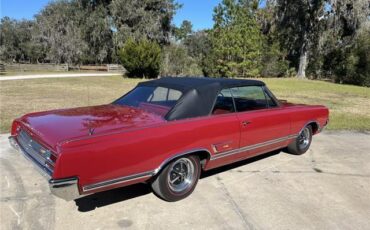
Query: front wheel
x=302 y=143
x=178 y=179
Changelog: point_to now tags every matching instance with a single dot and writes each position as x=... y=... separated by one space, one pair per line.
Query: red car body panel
x=111 y=146
x=142 y=145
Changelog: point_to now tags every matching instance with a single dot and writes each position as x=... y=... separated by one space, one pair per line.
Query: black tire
x=302 y=143
x=178 y=179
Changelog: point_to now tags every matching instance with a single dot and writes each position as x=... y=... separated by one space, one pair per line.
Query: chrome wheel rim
x=304 y=138
x=181 y=175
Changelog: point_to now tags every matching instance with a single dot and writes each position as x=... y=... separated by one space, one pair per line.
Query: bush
x=141 y=58
x=177 y=62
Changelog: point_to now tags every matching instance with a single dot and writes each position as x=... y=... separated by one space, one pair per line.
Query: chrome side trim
x=120 y=180
x=66 y=188
x=214 y=148
x=251 y=147
x=179 y=155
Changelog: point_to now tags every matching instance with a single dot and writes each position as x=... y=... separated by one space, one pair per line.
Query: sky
x=199 y=12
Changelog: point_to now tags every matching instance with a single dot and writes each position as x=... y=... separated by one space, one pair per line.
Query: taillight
x=15 y=128
x=48 y=155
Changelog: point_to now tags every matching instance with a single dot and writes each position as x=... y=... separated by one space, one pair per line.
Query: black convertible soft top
x=199 y=93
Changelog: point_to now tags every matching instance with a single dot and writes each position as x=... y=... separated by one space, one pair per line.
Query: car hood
x=56 y=126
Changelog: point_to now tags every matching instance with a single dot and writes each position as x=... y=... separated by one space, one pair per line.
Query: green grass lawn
x=349 y=105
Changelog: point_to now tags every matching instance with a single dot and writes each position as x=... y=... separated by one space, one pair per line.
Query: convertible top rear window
x=155 y=99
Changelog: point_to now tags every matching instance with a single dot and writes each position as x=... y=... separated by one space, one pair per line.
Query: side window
x=249 y=98
x=270 y=101
x=224 y=103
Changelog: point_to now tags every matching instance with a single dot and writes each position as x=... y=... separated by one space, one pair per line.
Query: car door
x=264 y=126
x=224 y=115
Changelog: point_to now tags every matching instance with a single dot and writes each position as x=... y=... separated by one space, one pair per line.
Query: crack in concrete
x=21 y=200
x=16 y=214
x=235 y=205
x=20 y=191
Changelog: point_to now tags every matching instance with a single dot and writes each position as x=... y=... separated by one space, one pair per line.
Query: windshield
x=159 y=100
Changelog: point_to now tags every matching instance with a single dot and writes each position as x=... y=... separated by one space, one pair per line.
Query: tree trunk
x=302 y=63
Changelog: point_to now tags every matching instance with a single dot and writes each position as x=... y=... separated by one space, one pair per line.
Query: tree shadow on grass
x=101 y=199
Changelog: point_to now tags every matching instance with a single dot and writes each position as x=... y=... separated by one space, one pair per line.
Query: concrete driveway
x=327 y=188
x=57 y=75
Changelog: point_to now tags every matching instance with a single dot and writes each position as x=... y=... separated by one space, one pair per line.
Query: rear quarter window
x=159 y=100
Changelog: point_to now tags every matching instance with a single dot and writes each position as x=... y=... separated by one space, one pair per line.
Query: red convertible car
x=164 y=132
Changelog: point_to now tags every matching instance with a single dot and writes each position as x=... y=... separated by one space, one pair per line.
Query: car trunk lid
x=56 y=126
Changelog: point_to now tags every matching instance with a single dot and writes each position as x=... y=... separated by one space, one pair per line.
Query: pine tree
x=236 y=39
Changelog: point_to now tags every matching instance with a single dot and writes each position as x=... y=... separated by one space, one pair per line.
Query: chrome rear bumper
x=66 y=188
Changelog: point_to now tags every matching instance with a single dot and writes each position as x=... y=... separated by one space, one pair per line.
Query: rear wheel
x=178 y=179
x=302 y=143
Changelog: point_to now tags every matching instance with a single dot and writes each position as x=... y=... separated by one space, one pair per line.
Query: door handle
x=245 y=123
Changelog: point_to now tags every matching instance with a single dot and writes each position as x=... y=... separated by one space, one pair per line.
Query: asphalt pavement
x=326 y=188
